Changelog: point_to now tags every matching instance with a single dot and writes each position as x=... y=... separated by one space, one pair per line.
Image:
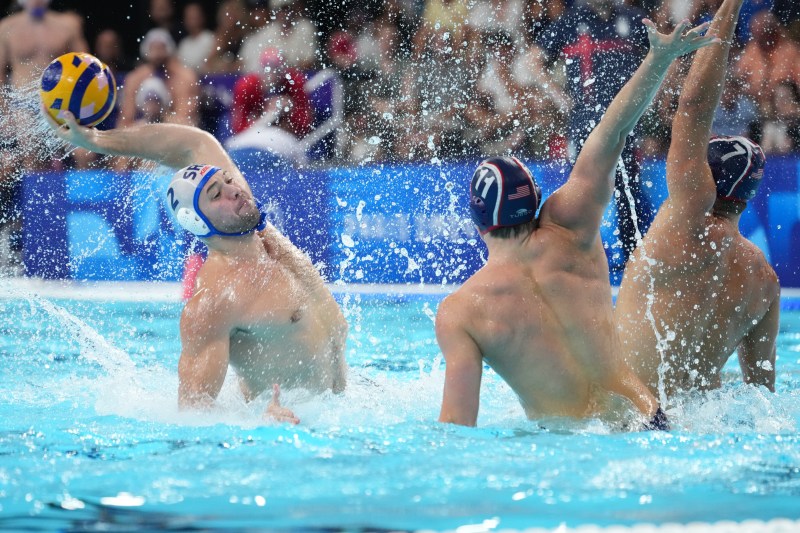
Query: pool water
x=90 y=438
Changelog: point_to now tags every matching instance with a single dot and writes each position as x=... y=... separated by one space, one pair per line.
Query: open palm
x=680 y=41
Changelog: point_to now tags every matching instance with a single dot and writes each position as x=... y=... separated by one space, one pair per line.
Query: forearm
x=632 y=101
x=703 y=86
x=167 y=144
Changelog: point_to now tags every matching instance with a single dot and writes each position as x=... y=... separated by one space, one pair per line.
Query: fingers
x=681 y=27
x=69 y=120
x=276 y=394
x=701 y=28
x=288 y=417
x=651 y=26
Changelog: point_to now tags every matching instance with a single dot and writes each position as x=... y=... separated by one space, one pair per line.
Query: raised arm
x=205 y=343
x=580 y=203
x=689 y=177
x=463 y=369
x=757 y=351
x=168 y=144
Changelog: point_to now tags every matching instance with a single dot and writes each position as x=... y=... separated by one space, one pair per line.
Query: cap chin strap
x=212 y=230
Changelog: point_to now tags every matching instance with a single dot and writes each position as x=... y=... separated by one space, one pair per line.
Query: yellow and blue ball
x=81 y=84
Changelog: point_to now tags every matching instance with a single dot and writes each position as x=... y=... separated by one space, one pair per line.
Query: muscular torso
x=285 y=326
x=31 y=45
x=543 y=321
x=707 y=294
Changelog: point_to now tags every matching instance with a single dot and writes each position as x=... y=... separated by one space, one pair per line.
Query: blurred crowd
x=422 y=80
x=315 y=82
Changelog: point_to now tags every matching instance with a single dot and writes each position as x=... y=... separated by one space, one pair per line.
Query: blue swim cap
x=737 y=164
x=503 y=193
x=183 y=198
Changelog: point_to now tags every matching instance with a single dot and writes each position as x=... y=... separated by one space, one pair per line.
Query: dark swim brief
x=659 y=422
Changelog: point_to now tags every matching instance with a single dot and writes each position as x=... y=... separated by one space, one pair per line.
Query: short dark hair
x=728 y=207
x=508 y=232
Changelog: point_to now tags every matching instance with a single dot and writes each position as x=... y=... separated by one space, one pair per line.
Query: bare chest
x=36 y=44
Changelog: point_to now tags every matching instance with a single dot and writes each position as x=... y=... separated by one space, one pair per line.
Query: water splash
x=662 y=340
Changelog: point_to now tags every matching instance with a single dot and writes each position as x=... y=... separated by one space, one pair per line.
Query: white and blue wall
x=370 y=224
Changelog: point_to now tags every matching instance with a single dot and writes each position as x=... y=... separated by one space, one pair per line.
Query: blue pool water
x=90 y=438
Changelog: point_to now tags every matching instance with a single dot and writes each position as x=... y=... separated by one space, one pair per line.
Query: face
x=194 y=19
x=161 y=11
x=107 y=46
x=228 y=203
x=157 y=53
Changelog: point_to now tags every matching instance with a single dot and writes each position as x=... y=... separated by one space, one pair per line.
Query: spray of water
x=662 y=340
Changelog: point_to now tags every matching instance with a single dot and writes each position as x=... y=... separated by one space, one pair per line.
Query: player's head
x=37 y=8
x=157 y=46
x=737 y=164
x=207 y=201
x=503 y=194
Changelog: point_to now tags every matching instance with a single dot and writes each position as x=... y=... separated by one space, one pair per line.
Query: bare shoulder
x=74 y=20
x=757 y=263
x=7 y=24
x=454 y=309
x=214 y=303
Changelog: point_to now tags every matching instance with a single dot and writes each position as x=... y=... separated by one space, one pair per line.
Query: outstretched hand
x=680 y=41
x=276 y=412
x=70 y=131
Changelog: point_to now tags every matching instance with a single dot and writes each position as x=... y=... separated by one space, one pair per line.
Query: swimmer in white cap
x=696 y=290
x=539 y=312
x=259 y=305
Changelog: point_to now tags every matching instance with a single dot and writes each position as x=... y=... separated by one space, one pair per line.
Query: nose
x=232 y=191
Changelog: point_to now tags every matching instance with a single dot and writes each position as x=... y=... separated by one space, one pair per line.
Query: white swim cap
x=156 y=35
x=183 y=198
x=153 y=88
x=183 y=195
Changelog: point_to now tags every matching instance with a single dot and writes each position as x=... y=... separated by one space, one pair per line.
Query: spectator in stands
x=538 y=15
x=768 y=59
x=162 y=15
x=509 y=99
x=549 y=104
x=195 y=47
x=287 y=30
x=152 y=101
x=29 y=40
x=788 y=12
x=441 y=16
x=273 y=78
x=736 y=114
x=490 y=16
x=343 y=56
x=108 y=49
x=272 y=132
x=224 y=55
x=781 y=129
x=601 y=43
x=158 y=51
x=435 y=92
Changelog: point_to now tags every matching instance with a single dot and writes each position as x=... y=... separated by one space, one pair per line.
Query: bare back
x=280 y=321
x=542 y=319
x=708 y=291
x=696 y=289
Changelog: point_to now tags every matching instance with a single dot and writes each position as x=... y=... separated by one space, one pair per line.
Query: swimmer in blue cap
x=259 y=305
x=539 y=312
x=696 y=290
